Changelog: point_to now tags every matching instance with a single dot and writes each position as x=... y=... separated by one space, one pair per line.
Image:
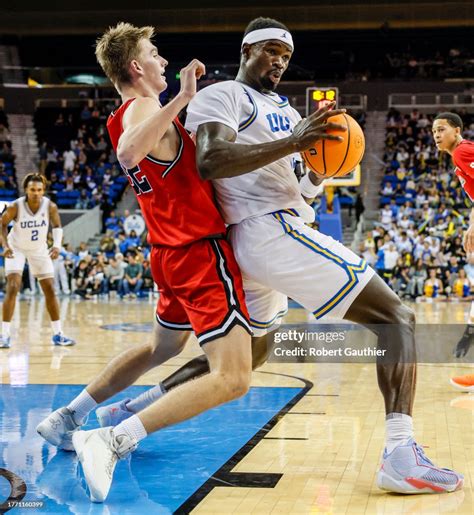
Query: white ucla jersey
x=30 y=230
x=256 y=118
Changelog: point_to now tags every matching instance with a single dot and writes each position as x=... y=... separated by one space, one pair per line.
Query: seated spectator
x=132 y=278
x=147 y=276
x=114 y=274
x=462 y=286
x=107 y=244
x=433 y=287
x=81 y=274
x=417 y=281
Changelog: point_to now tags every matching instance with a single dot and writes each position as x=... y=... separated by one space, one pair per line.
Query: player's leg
x=14 y=271
x=467 y=339
x=200 y=366
x=42 y=268
x=219 y=318
x=379 y=308
x=120 y=373
x=229 y=378
x=266 y=308
x=329 y=279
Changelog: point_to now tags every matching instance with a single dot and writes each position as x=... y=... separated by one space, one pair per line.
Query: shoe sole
x=413 y=486
x=79 y=440
x=462 y=388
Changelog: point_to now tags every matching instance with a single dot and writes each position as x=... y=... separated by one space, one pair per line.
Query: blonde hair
x=117 y=47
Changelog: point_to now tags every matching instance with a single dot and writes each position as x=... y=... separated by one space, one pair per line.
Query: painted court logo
x=17 y=490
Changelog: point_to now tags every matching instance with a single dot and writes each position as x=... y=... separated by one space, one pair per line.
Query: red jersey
x=463 y=159
x=178 y=206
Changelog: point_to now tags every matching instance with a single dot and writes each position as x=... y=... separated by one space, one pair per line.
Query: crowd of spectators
x=416 y=246
x=118 y=266
x=77 y=158
x=8 y=185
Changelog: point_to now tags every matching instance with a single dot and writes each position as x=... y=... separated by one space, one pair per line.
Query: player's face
x=267 y=63
x=152 y=65
x=35 y=191
x=444 y=134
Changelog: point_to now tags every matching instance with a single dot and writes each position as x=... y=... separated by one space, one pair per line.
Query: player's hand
x=468 y=240
x=314 y=127
x=189 y=76
x=54 y=252
x=8 y=253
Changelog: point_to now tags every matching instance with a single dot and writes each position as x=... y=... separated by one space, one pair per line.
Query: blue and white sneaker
x=4 y=342
x=58 y=427
x=60 y=339
x=407 y=470
x=113 y=414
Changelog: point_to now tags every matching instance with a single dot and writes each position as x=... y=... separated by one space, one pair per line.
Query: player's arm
x=8 y=215
x=145 y=122
x=55 y=220
x=218 y=156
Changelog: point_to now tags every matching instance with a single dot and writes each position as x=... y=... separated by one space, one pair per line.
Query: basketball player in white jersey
x=248 y=140
x=27 y=241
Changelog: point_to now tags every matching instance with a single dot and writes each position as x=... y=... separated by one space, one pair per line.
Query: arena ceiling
x=91 y=16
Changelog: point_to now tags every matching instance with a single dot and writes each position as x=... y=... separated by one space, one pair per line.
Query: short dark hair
x=453 y=119
x=264 y=23
x=34 y=177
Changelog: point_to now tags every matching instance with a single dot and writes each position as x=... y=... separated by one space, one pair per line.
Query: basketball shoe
x=407 y=470
x=60 y=339
x=113 y=414
x=463 y=383
x=58 y=427
x=4 y=342
x=98 y=451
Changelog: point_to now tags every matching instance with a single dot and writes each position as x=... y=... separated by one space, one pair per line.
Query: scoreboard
x=319 y=97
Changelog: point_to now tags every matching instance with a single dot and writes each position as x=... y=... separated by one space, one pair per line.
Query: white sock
x=471 y=315
x=6 y=328
x=81 y=406
x=399 y=429
x=56 y=325
x=132 y=427
x=145 y=399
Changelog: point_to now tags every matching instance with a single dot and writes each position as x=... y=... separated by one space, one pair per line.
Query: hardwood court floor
x=317 y=453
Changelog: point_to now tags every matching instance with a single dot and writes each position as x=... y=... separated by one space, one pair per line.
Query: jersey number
x=138 y=182
x=34 y=235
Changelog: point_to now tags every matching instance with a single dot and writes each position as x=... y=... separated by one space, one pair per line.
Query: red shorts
x=200 y=289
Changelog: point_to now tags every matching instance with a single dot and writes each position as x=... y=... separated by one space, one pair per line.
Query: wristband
x=57 y=237
x=308 y=189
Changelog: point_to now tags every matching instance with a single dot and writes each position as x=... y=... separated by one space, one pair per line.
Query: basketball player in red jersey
x=447 y=132
x=199 y=280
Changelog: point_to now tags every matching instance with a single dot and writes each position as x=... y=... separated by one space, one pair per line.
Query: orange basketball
x=331 y=158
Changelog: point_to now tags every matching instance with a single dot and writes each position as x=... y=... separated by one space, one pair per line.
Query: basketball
x=331 y=158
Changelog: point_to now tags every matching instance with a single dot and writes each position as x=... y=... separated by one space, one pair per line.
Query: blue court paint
x=167 y=468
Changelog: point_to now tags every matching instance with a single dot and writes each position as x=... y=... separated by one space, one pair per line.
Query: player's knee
x=403 y=315
x=13 y=287
x=236 y=384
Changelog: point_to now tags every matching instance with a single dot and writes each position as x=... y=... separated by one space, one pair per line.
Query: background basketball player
x=447 y=133
x=27 y=241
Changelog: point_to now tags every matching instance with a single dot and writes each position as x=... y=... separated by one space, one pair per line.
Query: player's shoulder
x=227 y=88
x=465 y=149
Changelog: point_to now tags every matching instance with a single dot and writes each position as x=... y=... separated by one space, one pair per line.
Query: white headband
x=264 y=34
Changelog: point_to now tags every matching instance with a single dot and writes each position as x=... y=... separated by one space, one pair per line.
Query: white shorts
x=281 y=257
x=39 y=261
